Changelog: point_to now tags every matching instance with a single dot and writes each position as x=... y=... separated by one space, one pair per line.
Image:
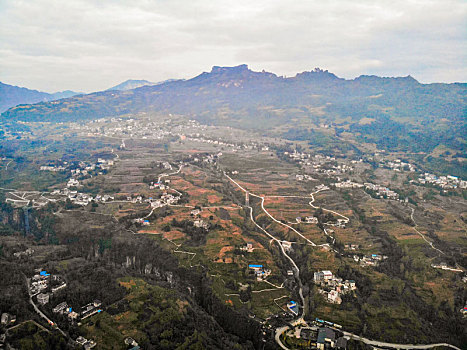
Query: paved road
x=277 y=336
x=6 y=168
x=397 y=346
x=281 y=330
x=49 y=321
x=294 y=265
x=328 y=210
x=377 y=343
x=421 y=234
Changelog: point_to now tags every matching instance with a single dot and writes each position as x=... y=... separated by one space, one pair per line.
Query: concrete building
x=326 y=338
x=322 y=276
x=43 y=298
x=60 y=307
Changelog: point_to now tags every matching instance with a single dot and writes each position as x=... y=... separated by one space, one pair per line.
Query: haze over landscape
x=233 y=175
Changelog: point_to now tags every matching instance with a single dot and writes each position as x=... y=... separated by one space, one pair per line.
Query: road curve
x=281 y=330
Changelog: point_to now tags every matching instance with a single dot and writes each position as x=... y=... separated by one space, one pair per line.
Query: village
x=445 y=182
x=318 y=164
x=333 y=287
x=45 y=288
x=317 y=174
x=137 y=128
x=318 y=334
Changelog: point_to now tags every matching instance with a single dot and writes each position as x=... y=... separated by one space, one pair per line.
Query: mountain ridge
x=11 y=96
x=131 y=84
x=245 y=93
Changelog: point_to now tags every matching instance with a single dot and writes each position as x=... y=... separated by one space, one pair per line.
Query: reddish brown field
x=173 y=234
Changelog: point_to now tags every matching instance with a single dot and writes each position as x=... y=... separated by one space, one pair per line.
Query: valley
x=231 y=227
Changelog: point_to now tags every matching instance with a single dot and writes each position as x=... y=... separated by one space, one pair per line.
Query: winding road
x=422 y=235
x=279 y=242
x=279 y=331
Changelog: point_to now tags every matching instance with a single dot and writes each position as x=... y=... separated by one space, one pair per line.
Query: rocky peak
x=317 y=74
x=236 y=69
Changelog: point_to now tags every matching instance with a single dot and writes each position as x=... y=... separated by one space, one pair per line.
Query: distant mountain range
x=391 y=112
x=11 y=96
x=133 y=84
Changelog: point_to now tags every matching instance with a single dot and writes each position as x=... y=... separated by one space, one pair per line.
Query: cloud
x=90 y=45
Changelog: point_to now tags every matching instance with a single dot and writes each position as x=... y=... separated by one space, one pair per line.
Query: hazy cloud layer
x=91 y=45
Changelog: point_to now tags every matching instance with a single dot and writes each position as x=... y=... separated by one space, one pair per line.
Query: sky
x=88 y=45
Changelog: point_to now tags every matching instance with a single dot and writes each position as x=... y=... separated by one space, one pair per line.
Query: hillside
x=398 y=112
x=11 y=96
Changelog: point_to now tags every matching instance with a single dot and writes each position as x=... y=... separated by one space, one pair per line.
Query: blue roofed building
x=293 y=307
x=255 y=267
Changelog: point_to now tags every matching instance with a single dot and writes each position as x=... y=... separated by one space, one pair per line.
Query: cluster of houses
x=381 y=191
x=445 y=266
x=40 y=282
x=307 y=219
x=397 y=165
x=159 y=185
x=210 y=158
x=332 y=287
x=347 y=184
x=198 y=138
x=331 y=170
x=218 y=142
x=82 y=199
x=53 y=168
x=27 y=252
x=350 y=246
x=81 y=169
x=321 y=187
x=201 y=224
x=323 y=337
x=370 y=260
x=86 y=311
x=125 y=128
x=166 y=199
x=445 y=182
x=73 y=183
x=78 y=171
x=42 y=288
x=149 y=129
x=259 y=271
x=85 y=343
x=304 y=177
x=73 y=195
x=338 y=223
x=324 y=165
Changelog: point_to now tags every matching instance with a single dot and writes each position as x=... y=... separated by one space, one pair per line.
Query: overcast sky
x=82 y=45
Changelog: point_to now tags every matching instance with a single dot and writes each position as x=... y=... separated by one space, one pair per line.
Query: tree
x=245 y=294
